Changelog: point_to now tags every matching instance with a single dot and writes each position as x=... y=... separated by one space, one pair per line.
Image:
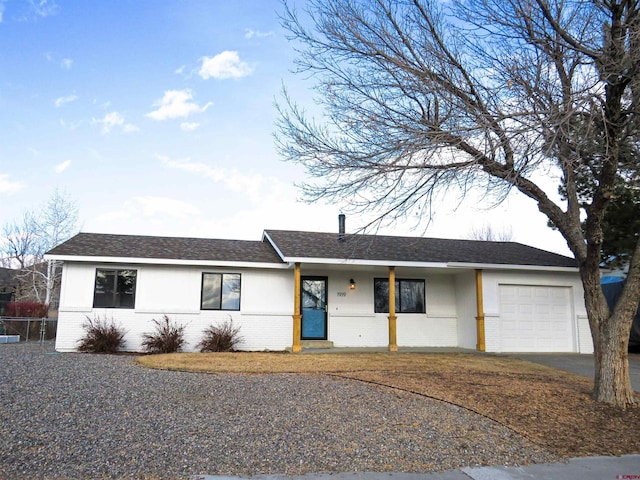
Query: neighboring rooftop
x=7 y=277
x=297 y=246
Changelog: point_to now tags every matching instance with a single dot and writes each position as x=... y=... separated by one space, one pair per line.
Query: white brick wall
x=266 y=311
x=265 y=318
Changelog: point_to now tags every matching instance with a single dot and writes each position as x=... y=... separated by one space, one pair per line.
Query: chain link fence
x=29 y=329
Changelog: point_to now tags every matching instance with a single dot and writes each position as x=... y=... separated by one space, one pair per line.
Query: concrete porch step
x=311 y=344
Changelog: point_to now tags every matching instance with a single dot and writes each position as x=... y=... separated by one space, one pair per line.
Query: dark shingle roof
x=176 y=248
x=310 y=245
x=294 y=244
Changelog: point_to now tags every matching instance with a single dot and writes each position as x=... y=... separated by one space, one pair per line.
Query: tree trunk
x=611 y=383
x=49 y=282
x=610 y=333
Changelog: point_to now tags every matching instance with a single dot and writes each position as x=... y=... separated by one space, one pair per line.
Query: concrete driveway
x=580 y=364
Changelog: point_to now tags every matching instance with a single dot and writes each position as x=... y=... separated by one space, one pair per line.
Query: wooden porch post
x=297 y=315
x=480 y=345
x=393 y=342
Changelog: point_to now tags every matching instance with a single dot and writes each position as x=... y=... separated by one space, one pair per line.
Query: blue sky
x=157 y=117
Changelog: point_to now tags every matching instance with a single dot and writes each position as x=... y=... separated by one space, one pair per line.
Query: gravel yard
x=77 y=416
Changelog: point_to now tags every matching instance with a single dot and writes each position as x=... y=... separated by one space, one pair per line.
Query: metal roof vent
x=341 y=226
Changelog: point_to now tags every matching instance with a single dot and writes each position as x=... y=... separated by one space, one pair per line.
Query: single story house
x=293 y=289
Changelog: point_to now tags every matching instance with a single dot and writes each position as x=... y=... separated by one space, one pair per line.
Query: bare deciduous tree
x=491 y=233
x=423 y=96
x=24 y=245
x=19 y=242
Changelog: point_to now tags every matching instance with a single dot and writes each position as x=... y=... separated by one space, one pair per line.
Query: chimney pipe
x=341 y=226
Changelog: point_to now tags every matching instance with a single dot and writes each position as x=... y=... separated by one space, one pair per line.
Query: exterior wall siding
x=352 y=321
x=364 y=330
x=492 y=332
x=426 y=331
x=438 y=327
x=252 y=329
x=466 y=307
x=585 y=341
x=264 y=317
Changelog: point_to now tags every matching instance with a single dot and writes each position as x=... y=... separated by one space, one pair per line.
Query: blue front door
x=314 y=308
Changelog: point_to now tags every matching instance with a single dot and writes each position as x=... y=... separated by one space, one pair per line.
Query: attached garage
x=536 y=318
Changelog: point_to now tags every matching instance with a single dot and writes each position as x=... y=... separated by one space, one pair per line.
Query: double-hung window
x=115 y=288
x=220 y=291
x=409 y=295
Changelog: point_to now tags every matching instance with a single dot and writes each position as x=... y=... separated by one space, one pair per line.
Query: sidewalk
x=626 y=467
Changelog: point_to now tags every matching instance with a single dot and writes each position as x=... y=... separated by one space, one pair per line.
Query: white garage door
x=535 y=319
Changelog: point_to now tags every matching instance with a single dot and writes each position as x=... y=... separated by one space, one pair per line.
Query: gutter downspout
x=480 y=345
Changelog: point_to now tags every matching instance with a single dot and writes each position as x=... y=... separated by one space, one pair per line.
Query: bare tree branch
x=24 y=245
x=421 y=97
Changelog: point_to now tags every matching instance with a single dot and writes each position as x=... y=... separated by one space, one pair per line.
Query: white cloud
x=2 y=7
x=204 y=170
x=110 y=121
x=251 y=185
x=104 y=105
x=44 y=8
x=166 y=207
x=61 y=167
x=249 y=34
x=62 y=100
x=189 y=126
x=146 y=215
x=70 y=125
x=115 y=217
x=224 y=65
x=114 y=119
x=7 y=186
x=54 y=57
x=176 y=104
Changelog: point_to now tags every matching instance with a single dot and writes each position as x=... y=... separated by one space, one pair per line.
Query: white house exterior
x=294 y=289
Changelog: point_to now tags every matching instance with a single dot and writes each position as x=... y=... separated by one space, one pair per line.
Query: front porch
x=364 y=308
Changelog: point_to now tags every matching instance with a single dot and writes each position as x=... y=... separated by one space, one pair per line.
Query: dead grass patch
x=548 y=406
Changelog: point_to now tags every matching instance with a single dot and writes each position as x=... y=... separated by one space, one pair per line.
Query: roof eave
x=363 y=262
x=452 y=265
x=164 y=261
x=498 y=266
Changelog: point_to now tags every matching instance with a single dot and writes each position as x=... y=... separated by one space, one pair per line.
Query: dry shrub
x=26 y=310
x=220 y=338
x=168 y=337
x=102 y=335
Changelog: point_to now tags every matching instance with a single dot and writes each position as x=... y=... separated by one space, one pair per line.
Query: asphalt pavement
x=626 y=467
x=580 y=364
